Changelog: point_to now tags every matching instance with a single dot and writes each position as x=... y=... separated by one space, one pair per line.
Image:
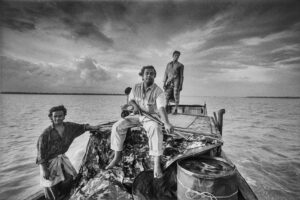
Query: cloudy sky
x=229 y=48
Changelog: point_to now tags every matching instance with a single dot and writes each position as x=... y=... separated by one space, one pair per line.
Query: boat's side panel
x=245 y=192
x=36 y=196
x=199 y=110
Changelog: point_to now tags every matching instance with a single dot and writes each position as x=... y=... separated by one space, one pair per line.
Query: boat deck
x=195 y=134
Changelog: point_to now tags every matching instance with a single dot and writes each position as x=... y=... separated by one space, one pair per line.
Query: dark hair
x=57 y=108
x=127 y=90
x=147 y=67
x=176 y=52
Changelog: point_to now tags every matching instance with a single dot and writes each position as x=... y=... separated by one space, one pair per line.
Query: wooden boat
x=196 y=135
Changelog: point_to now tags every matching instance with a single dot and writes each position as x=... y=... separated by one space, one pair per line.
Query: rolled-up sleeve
x=131 y=95
x=77 y=129
x=161 y=100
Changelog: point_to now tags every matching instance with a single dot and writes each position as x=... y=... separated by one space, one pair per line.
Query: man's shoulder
x=137 y=86
x=169 y=63
x=180 y=64
x=46 y=131
x=71 y=124
x=157 y=88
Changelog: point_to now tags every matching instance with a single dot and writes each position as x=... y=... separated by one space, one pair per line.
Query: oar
x=186 y=132
x=149 y=116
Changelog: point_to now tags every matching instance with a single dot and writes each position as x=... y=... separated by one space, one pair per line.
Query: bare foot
x=157 y=172
x=115 y=161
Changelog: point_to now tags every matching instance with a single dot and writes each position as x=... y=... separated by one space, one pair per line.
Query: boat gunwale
x=244 y=190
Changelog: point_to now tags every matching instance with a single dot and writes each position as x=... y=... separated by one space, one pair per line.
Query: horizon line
x=119 y=94
x=62 y=93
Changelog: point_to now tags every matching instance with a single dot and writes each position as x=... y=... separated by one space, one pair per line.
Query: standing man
x=173 y=80
x=56 y=171
x=146 y=96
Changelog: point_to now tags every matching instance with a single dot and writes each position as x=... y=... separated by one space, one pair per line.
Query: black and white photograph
x=150 y=99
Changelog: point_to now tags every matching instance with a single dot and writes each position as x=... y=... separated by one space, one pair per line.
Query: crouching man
x=56 y=171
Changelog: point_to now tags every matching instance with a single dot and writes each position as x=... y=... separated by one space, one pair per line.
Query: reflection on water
x=261 y=138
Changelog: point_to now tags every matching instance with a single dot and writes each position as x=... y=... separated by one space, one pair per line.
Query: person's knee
x=155 y=127
x=118 y=127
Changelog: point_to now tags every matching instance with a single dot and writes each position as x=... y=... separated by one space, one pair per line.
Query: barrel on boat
x=206 y=178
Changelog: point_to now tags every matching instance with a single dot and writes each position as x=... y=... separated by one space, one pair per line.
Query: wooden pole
x=220 y=120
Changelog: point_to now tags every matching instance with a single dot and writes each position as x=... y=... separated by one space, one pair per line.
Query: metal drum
x=206 y=178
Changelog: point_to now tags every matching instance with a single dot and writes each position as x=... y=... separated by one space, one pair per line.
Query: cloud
x=90 y=72
x=233 y=42
x=21 y=75
x=30 y=16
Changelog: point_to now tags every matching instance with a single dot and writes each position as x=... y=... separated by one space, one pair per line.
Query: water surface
x=261 y=138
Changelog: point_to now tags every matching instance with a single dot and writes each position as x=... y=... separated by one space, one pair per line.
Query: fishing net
x=133 y=177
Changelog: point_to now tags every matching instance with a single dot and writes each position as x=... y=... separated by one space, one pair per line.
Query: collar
x=148 y=88
x=52 y=126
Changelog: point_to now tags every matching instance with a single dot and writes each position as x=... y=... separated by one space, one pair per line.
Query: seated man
x=150 y=98
x=56 y=170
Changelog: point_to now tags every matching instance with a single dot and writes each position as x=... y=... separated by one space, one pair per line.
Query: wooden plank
x=243 y=186
x=181 y=120
x=36 y=196
x=191 y=152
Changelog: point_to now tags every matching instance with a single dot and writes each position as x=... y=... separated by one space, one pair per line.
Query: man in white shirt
x=149 y=97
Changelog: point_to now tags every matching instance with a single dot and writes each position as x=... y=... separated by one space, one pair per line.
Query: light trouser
x=153 y=129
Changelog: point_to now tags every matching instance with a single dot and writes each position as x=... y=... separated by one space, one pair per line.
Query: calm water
x=261 y=137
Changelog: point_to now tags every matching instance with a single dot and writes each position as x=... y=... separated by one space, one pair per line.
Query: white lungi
x=153 y=129
x=56 y=172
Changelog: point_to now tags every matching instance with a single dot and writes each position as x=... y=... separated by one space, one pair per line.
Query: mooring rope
x=193 y=194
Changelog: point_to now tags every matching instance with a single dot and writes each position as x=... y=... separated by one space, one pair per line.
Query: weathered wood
x=220 y=120
x=181 y=120
x=216 y=120
x=36 y=196
x=243 y=186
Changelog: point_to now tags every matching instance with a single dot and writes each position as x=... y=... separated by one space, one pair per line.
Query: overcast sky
x=229 y=48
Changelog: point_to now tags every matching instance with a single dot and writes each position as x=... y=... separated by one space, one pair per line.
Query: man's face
x=58 y=117
x=148 y=76
x=176 y=56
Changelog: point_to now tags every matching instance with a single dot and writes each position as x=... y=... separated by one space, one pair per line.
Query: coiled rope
x=193 y=194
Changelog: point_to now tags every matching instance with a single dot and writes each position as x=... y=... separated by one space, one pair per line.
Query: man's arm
x=165 y=78
x=165 y=119
x=136 y=107
x=161 y=102
x=41 y=155
x=181 y=77
x=92 y=128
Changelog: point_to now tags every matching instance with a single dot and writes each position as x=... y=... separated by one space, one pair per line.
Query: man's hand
x=46 y=173
x=92 y=128
x=136 y=109
x=165 y=87
x=169 y=128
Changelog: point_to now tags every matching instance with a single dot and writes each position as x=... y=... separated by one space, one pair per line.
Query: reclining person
x=150 y=98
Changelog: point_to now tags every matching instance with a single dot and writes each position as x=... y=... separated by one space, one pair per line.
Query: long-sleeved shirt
x=174 y=72
x=50 y=144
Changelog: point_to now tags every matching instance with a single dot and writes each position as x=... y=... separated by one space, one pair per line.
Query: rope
x=193 y=194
